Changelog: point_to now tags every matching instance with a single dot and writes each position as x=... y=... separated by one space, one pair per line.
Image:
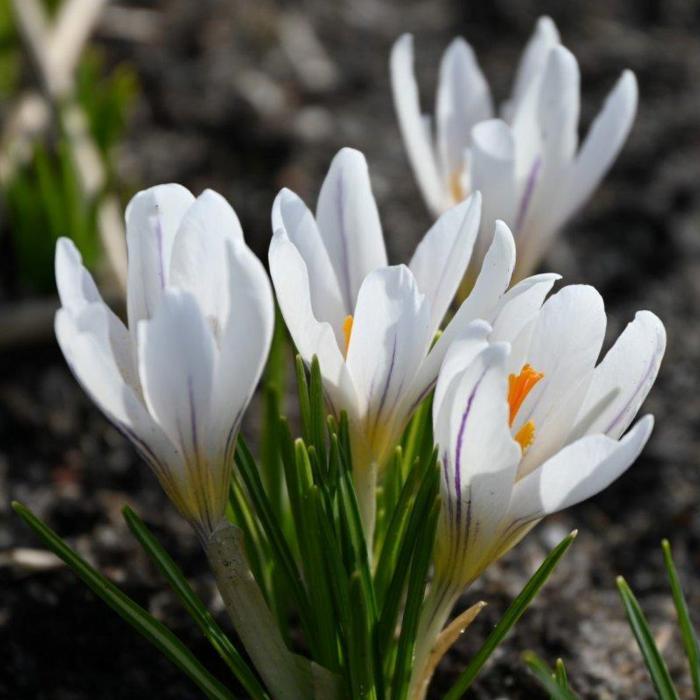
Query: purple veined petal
x=390 y=338
x=482 y=456
x=623 y=379
x=152 y=219
x=442 y=257
x=349 y=224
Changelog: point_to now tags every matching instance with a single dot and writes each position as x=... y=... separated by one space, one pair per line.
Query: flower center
x=519 y=386
x=347 y=332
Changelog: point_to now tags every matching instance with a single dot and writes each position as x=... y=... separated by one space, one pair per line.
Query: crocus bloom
x=529 y=427
x=371 y=325
x=526 y=161
x=200 y=317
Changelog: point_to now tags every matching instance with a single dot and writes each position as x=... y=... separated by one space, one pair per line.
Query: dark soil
x=225 y=105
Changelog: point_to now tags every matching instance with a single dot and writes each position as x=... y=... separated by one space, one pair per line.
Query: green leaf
x=279 y=546
x=194 y=606
x=400 y=574
x=548 y=679
x=144 y=623
x=645 y=640
x=396 y=530
x=688 y=635
x=511 y=616
x=560 y=675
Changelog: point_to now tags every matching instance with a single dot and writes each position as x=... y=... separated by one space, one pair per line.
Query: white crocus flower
x=526 y=161
x=529 y=427
x=200 y=318
x=371 y=325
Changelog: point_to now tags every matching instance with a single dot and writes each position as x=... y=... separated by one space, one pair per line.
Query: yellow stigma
x=519 y=386
x=347 y=332
x=526 y=435
x=456 y=189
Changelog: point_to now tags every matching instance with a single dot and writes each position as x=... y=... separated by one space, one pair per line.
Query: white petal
x=478 y=454
x=492 y=167
x=198 y=263
x=291 y=215
x=463 y=100
x=520 y=304
x=77 y=291
x=84 y=340
x=459 y=356
x=75 y=285
x=349 y=223
x=579 y=471
x=152 y=219
x=558 y=109
x=311 y=336
x=491 y=284
x=245 y=343
x=623 y=379
x=601 y=146
x=415 y=136
x=177 y=360
x=544 y=38
x=441 y=258
x=566 y=341
x=390 y=337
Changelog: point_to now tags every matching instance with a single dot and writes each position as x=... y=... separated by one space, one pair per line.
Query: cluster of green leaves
x=297 y=509
x=555 y=681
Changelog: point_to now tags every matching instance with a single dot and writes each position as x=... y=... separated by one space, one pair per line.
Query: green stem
x=286 y=675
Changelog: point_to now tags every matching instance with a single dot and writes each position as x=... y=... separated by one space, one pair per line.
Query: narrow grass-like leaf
x=194 y=606
x=399 y=580
x=144 y=623
x=414 y=602
x=658 y=671
x=360 y=655
x=688 y=635
x=560 y=674
x=318 y=411
x=510 y=617
x=395 y=532
x=547 y=678
x=278 y=544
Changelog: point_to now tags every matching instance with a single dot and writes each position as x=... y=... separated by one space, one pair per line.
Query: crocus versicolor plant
x=525 y=160
x=200 y=318
x=372 y=324
x=525 y=421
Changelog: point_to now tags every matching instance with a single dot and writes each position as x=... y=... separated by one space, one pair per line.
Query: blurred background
x=99 y=99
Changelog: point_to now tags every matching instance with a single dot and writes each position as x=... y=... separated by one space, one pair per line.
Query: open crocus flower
x=532 y=426
x=526 y=163
x=200 y=318
x=372 y=325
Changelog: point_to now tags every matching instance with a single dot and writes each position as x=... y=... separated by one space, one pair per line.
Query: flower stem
x=437 y=607
x=286 y=675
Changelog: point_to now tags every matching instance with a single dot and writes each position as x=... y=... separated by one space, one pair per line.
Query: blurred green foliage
x=44 y=200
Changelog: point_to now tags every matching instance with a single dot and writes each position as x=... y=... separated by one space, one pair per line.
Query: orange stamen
x=519 y=386
x=347 y=331
x=526 y=436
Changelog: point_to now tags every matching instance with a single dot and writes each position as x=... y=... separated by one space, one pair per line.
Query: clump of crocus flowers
x=435 y=435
